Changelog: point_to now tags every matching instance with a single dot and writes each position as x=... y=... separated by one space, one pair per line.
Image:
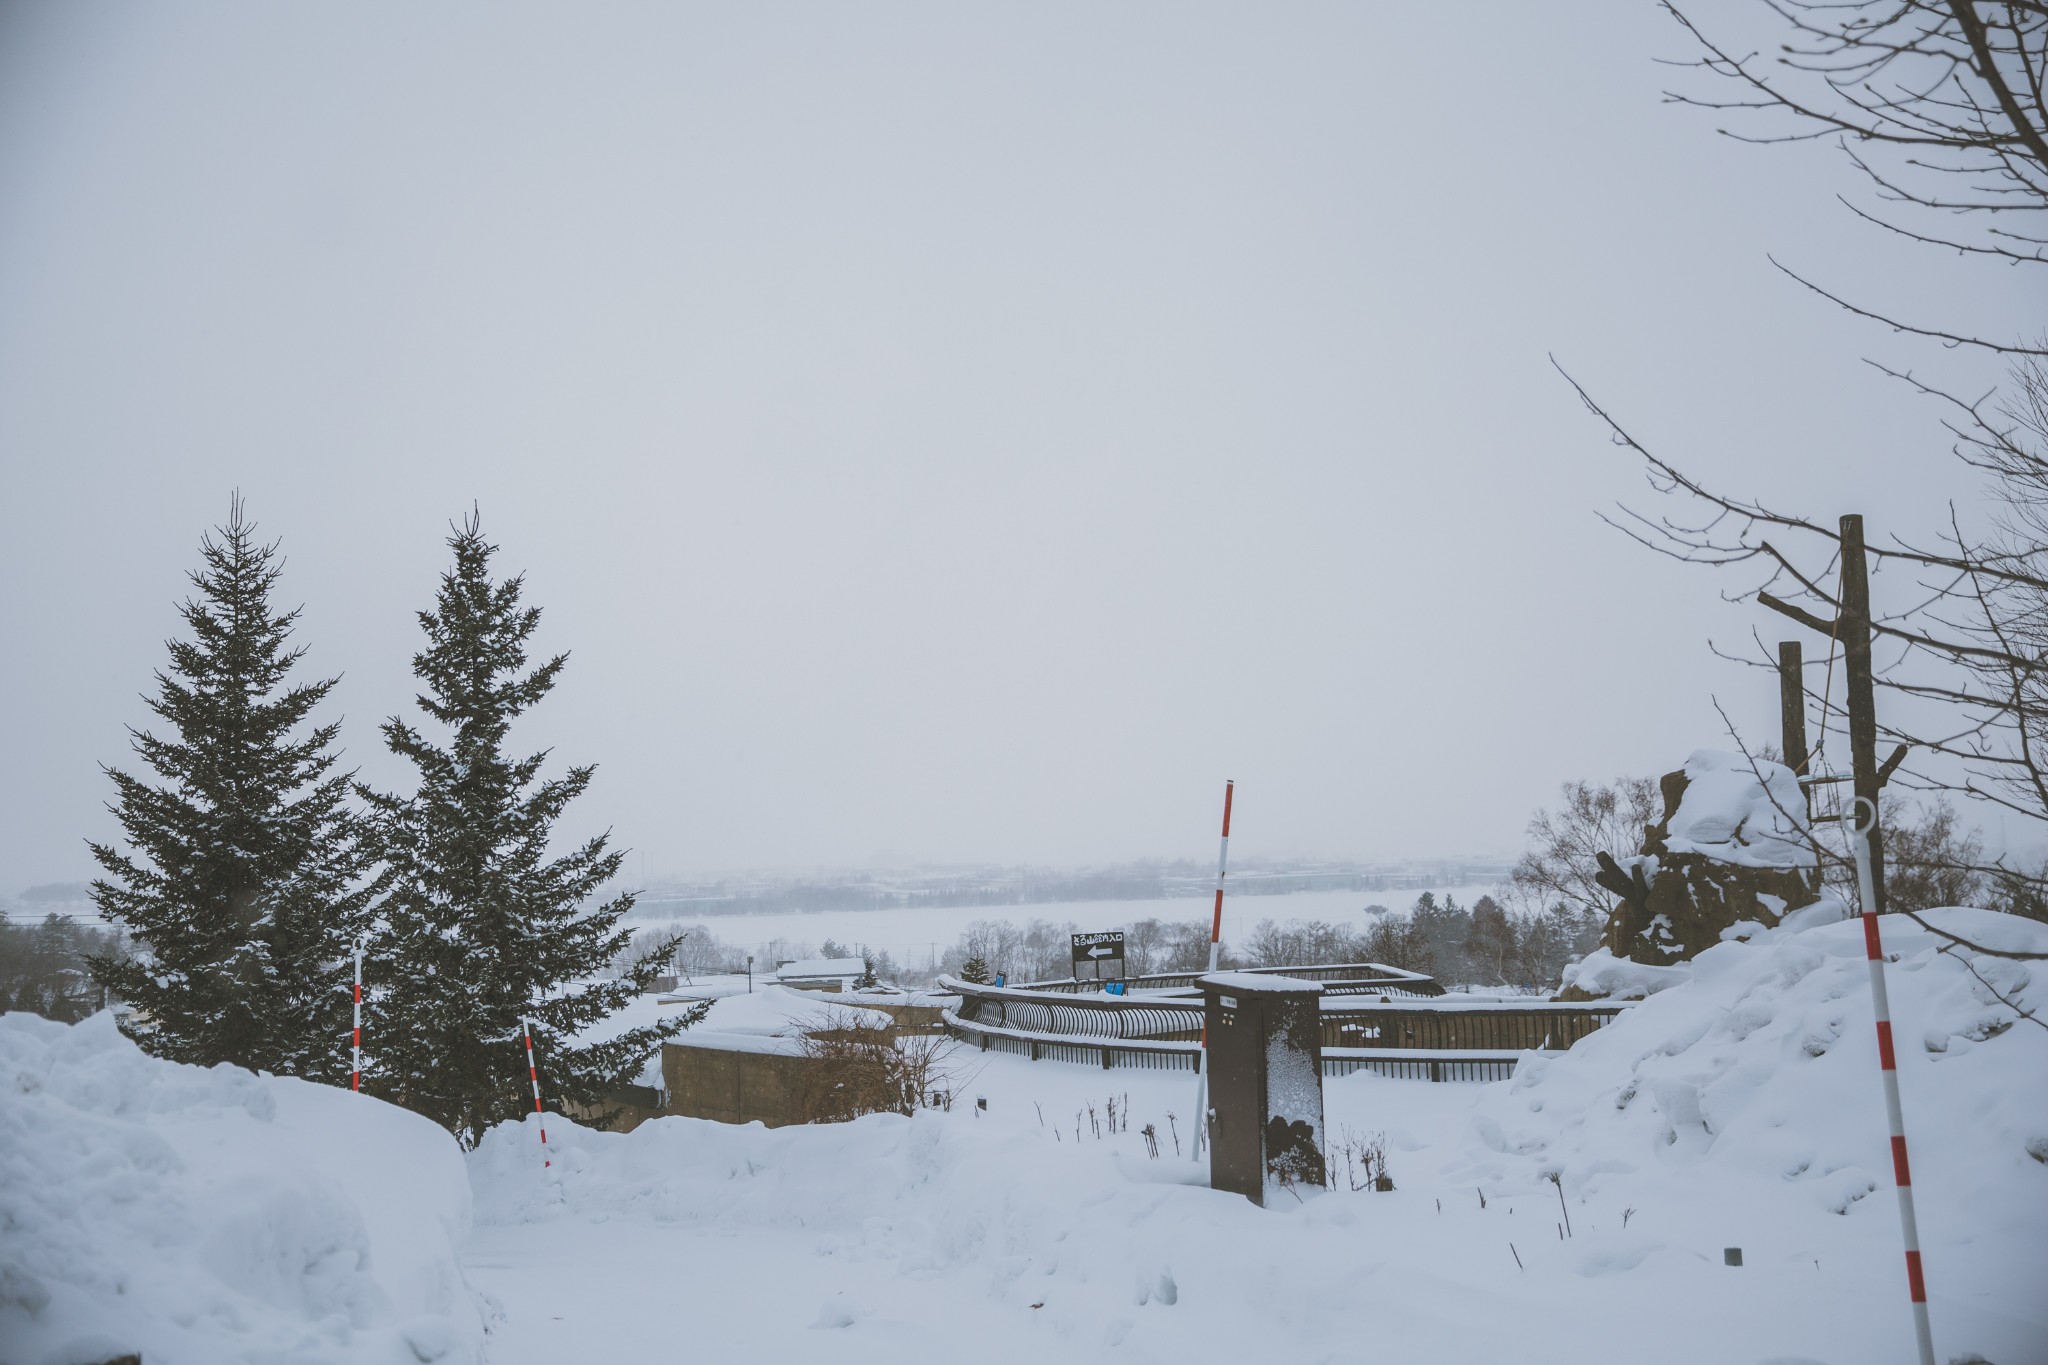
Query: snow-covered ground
x=1742 y=1110
x=1739 y=1109
x=923 y=934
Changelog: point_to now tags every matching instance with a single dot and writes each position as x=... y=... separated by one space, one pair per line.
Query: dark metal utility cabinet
x=1265 y=1084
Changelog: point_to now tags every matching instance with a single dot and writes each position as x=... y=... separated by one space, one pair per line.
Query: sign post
x=1215 y=944
x=1098 y=951
x=526 y=1027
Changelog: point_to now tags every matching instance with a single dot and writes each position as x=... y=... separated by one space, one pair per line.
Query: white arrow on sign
x=1104 y=952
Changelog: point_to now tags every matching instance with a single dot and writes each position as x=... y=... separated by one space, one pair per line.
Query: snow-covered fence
x=1409 y=1035
x=1520 y=1026
x=1342 y=978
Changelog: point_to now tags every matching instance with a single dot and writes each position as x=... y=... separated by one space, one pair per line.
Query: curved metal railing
x=1029 y=1009
x=1341 y=978
x=1404 y=1028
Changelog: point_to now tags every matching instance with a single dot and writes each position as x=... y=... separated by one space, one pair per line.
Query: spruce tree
x=243 y=885
x=481 y=927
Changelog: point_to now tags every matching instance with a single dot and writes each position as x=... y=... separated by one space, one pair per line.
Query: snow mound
x=1728 y=814
x=208 y=1215
x=963 y=1218
x=1600 y=973
x=1748 y=1098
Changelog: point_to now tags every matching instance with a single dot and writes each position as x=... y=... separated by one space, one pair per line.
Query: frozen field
x=915 y=935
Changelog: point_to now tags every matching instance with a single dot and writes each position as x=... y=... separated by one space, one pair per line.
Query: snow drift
x=214 y=1215
x=1747 y=1100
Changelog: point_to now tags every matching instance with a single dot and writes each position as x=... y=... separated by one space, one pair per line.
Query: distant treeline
x=43 y=966
x=1137 y=882
x=1483 y=945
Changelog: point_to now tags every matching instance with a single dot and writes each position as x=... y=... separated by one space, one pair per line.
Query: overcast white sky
x=937 y=432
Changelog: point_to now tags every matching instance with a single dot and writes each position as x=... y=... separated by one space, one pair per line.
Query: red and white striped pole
x=534 y=1075
x=1888 y=1062
x=355 y=1046
x=1215 y=945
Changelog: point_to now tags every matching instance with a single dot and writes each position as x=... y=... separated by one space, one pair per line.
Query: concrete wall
x=733 y=1086
x=909 y=1018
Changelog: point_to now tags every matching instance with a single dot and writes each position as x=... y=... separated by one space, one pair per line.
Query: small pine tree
x=974 y=971
x=245 y=889
x=44 y=967
x=1442 y=927
x=1489 y=945
x=482 y=927
x=868 y=979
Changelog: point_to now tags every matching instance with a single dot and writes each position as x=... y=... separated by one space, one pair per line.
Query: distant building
x=822 y=973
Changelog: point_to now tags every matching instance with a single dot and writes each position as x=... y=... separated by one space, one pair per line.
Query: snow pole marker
x=1215 y=944
x=533 y=1074
x=1888 y=1063
x=355 y=1047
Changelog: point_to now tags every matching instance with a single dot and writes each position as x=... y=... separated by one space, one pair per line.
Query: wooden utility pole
x=1792 y=712
x=1852 y=627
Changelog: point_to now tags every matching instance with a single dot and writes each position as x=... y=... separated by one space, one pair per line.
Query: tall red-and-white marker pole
x=355 y=1045
x=1215 y=945
x=533 y=1073
x=1888 y=1062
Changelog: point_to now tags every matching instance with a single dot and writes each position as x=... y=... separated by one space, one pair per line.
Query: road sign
x=1100 y=952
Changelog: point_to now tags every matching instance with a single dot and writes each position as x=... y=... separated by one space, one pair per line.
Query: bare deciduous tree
x=1562 y=865
x=1930 y=860
x=860 y=1067
x=1939 y=106
x=1937 y=103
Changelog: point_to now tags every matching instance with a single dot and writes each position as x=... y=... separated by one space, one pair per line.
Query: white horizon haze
x=936 y=434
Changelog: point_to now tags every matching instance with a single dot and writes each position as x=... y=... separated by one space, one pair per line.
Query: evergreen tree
x=482 y=927
x=244 y=889
x=1489 y=944
x=44 y=967
x=1442 y=929
x=975 y=972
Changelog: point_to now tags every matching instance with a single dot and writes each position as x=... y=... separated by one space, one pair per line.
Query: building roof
x=821 y=969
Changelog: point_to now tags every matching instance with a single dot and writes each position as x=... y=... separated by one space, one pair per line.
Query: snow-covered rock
x=213 y=1215
x=1736 y=810
x=1730 y=857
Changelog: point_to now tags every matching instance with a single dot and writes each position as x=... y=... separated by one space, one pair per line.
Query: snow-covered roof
x=779 y=1012
x=821 y=969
